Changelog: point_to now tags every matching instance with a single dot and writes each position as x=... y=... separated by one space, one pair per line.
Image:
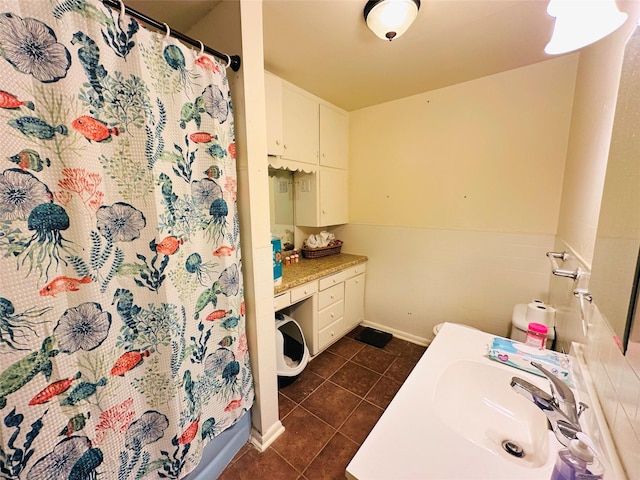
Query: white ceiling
x=325 y=47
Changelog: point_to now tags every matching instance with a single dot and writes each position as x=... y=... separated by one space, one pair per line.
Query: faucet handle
x=561 y=392
x=581 y=408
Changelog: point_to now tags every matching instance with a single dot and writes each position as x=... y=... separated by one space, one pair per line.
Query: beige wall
x=592 y=120
x=455 y=196
x=617 y=384
x=485 y=155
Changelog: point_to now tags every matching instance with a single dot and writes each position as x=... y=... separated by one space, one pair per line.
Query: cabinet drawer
x=330 y=295
x=330 y=334
x=281 y=301
x=303 y=291
x=330 y=314
x=332 y=280
x=353 y=271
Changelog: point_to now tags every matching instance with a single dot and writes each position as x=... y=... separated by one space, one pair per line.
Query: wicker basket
x=320 y=251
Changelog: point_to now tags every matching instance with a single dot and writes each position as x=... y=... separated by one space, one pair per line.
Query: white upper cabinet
x=321 y=198
x=311 y=137
x=300 y=126
x=273 y=96
x=334 y=138
x=333 y=199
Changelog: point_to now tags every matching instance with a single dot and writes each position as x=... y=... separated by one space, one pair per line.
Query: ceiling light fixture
x=389 y=19
x=581 y=22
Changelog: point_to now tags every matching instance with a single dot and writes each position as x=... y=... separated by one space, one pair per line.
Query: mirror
x=281 y=206
x=614 y=280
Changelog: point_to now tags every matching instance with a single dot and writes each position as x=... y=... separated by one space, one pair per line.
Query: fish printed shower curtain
x=122 y=323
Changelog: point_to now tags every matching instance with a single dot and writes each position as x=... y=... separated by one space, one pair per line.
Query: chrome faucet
x=559 y=407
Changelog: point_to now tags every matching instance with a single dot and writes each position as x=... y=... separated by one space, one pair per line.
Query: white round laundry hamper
x=292 y=354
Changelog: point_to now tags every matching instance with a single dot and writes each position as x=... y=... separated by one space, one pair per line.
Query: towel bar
x=553 y=256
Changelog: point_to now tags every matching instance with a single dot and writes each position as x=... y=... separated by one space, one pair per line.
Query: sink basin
x=451 y=417
x=476 y=400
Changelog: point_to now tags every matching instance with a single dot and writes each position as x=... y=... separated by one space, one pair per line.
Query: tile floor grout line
x=335 y=430
x=361 y=398
x=288 y=462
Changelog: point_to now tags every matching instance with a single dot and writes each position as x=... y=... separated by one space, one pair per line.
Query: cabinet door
x=333 y=197
x=273 y=105
x=334 y=138
x=354 y=301
x=306 y=199
x=300 y=126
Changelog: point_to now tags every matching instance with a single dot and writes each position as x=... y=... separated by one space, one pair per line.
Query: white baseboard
x=399 y=334
x=263 y=441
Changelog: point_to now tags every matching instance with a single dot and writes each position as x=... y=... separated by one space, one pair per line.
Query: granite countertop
x=309 y=269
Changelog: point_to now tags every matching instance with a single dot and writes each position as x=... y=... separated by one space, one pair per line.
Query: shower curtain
x=122 y=322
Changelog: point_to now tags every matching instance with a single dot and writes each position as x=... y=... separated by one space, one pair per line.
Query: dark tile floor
x=329 y=410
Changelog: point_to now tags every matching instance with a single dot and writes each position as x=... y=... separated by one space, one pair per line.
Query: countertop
x=443 y=425
x=451 y=414
x=309 y=269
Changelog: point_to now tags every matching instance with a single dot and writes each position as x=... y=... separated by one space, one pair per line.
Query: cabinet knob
x=285 y=146
x=333 y=334
x=331 y=297
x=277 y=142
x=332 y=315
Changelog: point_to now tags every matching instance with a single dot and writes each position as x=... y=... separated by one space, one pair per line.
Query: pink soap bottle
x=536 y=335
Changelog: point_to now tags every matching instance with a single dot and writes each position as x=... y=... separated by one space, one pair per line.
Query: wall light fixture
x=581 y=22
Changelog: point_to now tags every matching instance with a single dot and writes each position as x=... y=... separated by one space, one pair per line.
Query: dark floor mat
x=373 y=336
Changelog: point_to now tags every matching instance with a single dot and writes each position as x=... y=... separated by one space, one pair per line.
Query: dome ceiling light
x=389 y=19
x=581 y=22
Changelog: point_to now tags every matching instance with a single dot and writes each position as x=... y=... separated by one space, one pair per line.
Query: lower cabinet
x=354 y=301
x=340 y=305
x=330 y=314
x=328 y=308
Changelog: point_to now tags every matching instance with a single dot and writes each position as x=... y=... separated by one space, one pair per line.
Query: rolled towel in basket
x=312 y=242
x=322 y=239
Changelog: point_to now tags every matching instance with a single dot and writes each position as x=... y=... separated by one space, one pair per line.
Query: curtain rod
x=233 y=60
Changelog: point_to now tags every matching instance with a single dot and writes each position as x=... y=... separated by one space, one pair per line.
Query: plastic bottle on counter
x=537 y=335
x=276 y=247
x=577 y=462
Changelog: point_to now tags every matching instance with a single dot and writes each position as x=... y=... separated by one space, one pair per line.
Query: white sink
x=451 y=416
x=475 y=399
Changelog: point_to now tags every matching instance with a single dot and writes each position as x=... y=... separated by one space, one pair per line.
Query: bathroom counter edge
x=310 y=269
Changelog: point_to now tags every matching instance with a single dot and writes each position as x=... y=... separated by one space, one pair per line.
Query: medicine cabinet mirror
x=281 y=206
x=614 y=280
